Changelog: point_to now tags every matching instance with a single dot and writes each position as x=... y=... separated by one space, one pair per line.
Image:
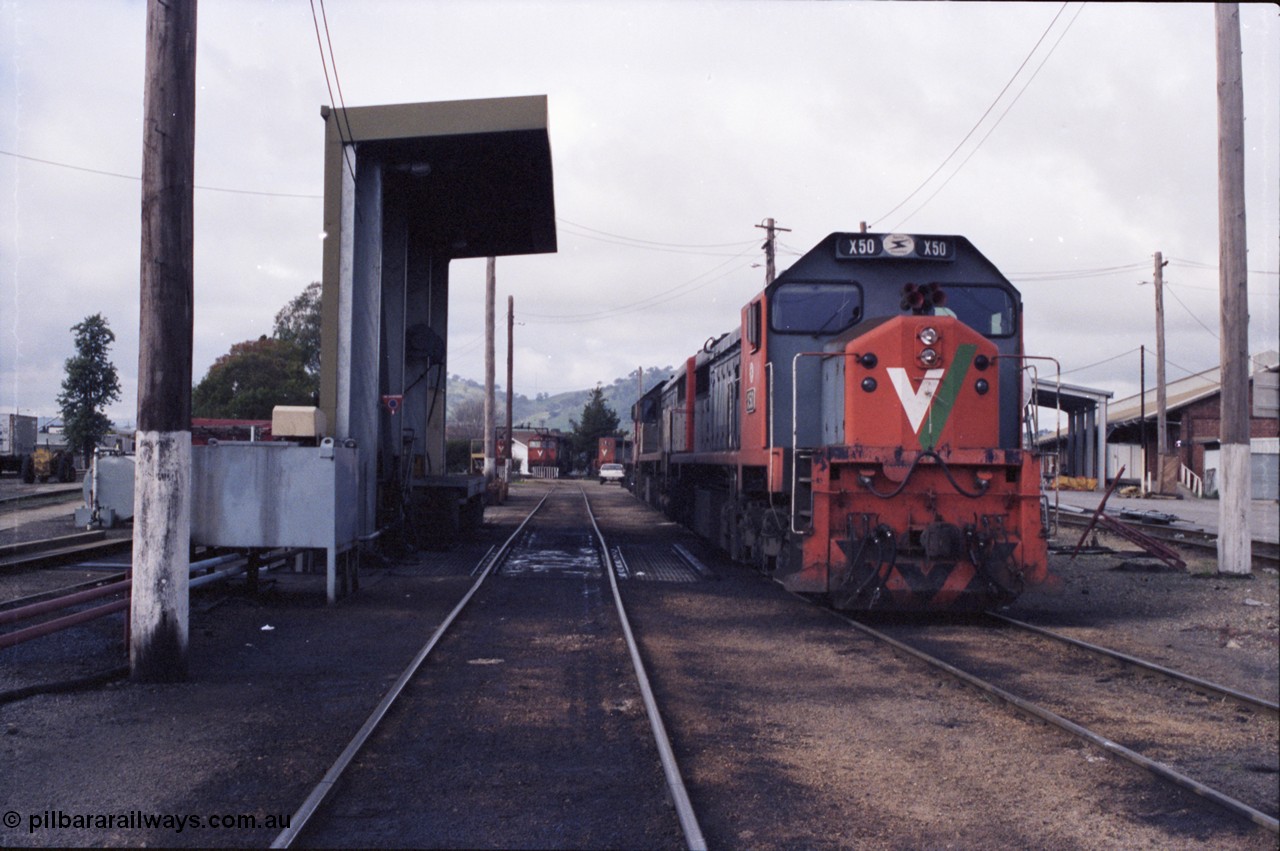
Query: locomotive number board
x=866 y=246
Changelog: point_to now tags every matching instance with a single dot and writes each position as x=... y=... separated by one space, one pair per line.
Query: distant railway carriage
x=613 y=450
x=549 y=455
x=859 y=433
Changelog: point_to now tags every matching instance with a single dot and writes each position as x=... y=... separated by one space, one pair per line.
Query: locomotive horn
x=912 y=297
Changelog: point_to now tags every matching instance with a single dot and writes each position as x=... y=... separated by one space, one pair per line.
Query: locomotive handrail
x=795 y=426
x=1057 y=420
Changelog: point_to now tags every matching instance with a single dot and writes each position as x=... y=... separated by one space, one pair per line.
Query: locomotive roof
x=934 y=257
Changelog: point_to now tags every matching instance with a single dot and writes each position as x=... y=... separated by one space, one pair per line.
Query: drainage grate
x=654 y=563
x=541 y=554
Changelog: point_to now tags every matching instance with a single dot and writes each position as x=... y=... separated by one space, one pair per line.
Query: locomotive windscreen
x=813 y=308
x=986 y=309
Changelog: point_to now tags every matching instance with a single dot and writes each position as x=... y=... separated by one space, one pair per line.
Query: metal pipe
x=18 y=636
x=48 y=627
x=33 y=609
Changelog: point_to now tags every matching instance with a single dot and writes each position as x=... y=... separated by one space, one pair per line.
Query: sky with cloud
x=1068 y=142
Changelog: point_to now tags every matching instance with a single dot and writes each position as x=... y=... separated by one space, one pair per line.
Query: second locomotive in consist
x=859 y=434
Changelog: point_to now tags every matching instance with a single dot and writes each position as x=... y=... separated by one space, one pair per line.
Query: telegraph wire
x=333 y=60
x=999 y=120
x=648 y=302
x=324 y=63
x=1190 y=312
x=738 y=244
x=136 y=178
x=1100 y=363
x=654 y=246
x=978 y=123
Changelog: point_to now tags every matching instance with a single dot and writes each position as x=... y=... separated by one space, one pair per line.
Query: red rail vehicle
x=859 y=434
x=549 y=455
x=613 y=450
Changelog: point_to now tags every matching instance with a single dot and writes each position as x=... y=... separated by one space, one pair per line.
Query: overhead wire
x=654 y=246
x=999 y=120
x=344 y=139
x=136 y=178
x=977 y=124
x=655 y=300
x=1169 y=289
x=737 y=244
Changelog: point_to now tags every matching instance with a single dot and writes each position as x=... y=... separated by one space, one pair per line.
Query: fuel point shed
x=408 y=188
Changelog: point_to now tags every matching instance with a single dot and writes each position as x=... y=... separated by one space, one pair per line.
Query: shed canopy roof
x=1048 y=393
x=475 y=173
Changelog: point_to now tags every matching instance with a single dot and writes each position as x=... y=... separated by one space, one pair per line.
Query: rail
x=675 y=783
x=322 y=789
x=1225 y=691
x=1159 y=769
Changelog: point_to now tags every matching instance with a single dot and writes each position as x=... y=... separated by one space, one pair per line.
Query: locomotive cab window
x=815 y=308
x=986 y=309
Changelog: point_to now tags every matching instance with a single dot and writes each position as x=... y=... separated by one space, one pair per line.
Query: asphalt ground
x=795 y=734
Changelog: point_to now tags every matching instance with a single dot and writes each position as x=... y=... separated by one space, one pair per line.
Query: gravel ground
x=794 y=732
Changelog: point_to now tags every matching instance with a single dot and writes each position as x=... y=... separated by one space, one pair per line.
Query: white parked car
x=612 y=473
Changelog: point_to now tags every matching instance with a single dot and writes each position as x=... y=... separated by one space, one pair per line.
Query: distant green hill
x=555 y=411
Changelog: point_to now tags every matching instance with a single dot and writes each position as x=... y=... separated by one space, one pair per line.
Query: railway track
x=526 y=728
x=1212 y=740
x=1265 y=553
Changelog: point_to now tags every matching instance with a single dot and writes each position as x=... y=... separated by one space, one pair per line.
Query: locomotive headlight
x=928 y=335
x=929 y=357
x=981 y=386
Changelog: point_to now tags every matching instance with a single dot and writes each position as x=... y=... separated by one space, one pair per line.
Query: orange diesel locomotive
x=859 y=435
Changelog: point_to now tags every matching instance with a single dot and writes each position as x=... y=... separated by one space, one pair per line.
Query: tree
x=251 y=379
x=91 y=384
x=598 y=420
x=298 y=323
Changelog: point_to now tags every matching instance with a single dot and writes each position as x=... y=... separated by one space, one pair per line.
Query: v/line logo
x=930 y=404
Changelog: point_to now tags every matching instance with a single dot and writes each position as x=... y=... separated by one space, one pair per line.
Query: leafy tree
x=298 y=323
x=91 y=384
x=251 y=379
x=598 y=420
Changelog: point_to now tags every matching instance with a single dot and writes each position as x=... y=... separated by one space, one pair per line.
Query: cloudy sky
x=1069 y=142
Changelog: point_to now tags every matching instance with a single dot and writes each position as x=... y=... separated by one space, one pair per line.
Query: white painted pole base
x=1235 y=486
x=161 y=556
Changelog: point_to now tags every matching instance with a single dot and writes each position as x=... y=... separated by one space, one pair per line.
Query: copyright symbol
x=12 y=819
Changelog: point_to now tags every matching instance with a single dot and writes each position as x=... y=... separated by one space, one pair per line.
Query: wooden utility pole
x=1142 y=414
x=1234 y=545
x=769 y=250
x=1166 y=466
x=511 y=329
x=490 y=285
x=162 y=468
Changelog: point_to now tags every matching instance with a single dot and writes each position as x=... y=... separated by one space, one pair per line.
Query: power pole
x=159 y=607
x=511 y=440
x=1234 y=546
x=1166 y=473
x=1142 y=414
x=490 y=284
x=635 y=428
x=769 y=252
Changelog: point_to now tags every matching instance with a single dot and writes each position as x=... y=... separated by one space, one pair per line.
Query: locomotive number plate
x=860 y=246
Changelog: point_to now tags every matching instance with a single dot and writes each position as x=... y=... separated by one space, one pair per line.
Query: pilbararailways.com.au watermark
x=51 y=820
